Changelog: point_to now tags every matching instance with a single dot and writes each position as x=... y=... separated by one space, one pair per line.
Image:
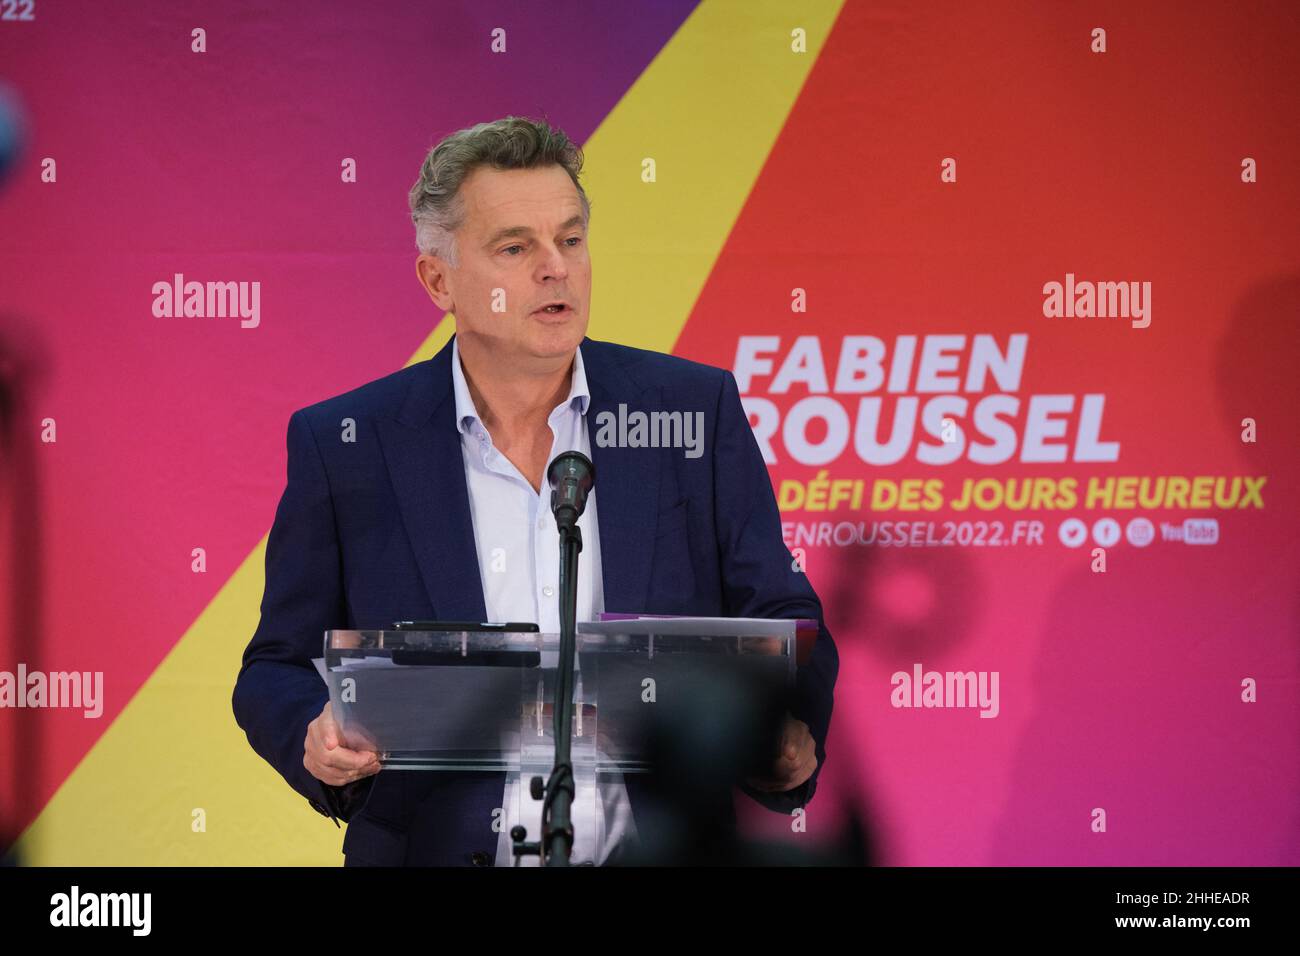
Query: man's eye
x=515 y=246
x=575 y=240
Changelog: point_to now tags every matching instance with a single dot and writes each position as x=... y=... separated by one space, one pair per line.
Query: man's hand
x=796 y=760
x=328 y=760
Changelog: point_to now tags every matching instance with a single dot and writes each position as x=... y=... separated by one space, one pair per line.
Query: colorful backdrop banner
x=1010 y=292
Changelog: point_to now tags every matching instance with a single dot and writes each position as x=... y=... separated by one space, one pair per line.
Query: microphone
x=571 y=476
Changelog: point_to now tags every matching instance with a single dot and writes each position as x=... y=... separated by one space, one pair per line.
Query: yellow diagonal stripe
x=707 y=111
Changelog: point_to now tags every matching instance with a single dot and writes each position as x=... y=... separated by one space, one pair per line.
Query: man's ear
x=432 y=273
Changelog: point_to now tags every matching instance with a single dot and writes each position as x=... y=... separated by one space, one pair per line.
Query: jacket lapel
x=421 y=447
x=627 y=483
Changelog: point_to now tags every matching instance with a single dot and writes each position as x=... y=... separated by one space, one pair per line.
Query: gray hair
x=513 y=142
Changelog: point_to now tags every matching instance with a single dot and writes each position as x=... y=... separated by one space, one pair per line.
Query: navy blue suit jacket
x=379 y=529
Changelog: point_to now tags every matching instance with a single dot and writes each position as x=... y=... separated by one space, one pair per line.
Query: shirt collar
x=467 y=413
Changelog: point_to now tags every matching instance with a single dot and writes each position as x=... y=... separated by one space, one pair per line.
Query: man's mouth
x=554 y=308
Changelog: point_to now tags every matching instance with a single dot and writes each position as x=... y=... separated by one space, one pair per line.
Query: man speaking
x=437 y=508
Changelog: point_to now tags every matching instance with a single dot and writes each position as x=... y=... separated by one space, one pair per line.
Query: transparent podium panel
x=647 y=672
x=481 y=700
x=460 y=701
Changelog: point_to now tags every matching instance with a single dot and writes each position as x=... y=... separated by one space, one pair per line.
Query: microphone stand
x=557 y=825
x=556 y=844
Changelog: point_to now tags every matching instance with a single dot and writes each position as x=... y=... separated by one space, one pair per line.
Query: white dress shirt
x=518 y=549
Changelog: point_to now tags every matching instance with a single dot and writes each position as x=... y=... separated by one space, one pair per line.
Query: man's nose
x=553 y=266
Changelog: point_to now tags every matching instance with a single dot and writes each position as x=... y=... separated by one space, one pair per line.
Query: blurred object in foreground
x=714 y=735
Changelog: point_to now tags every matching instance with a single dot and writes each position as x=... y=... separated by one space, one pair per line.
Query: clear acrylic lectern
x=471 y=700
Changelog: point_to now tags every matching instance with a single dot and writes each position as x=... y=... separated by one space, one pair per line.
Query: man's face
x=523 y=244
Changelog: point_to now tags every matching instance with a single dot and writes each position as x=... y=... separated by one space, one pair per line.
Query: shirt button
x=548 y=590
x=541 y=524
